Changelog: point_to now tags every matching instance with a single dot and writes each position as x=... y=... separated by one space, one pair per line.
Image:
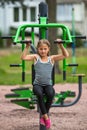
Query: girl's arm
x=63 y=55
x=26 y=56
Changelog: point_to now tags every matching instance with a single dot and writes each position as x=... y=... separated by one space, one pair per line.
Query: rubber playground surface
x=14 y=117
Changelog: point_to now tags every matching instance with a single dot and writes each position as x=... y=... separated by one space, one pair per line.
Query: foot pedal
x=68 y=93
x=24 y=103
x=13 y=95
x=16 y=89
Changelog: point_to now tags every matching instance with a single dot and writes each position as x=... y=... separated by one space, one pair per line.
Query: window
x=64 y=12
x=24 y=13
x=21 y=14
x=16 y=14
x=32 y=14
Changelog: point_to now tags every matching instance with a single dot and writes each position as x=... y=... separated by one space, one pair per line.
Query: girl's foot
x=47 y=123
x=42 y=121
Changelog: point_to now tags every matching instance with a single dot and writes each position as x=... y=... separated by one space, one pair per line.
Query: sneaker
x=42 y=121
x=48 y=123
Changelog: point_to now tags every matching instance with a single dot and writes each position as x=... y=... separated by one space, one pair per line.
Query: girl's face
x=43 y=50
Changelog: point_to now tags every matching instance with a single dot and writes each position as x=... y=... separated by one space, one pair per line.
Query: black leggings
x=49 y=92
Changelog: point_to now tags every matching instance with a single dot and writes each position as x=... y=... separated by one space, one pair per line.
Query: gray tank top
x=43 y=72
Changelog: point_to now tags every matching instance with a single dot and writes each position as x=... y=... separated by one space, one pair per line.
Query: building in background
x=64 y=14
x=13 y=15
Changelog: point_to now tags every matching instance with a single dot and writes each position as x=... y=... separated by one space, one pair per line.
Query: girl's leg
x=38 y=91
x=50 y=93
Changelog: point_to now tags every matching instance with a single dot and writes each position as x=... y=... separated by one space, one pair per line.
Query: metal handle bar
x=15 y=65
x=79 y=37
x=31 y=45
x=7 y=37
x=72 y=65
x=61 y=42
x=23 y=41
x=26 y=41
x=49 y=25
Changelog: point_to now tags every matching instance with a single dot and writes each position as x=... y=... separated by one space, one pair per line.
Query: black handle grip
x=80 y=37
x=14 y=65
x=6 y=37
x=26 y=41
x=59 y=42
x=72 y=64
x=32 y=46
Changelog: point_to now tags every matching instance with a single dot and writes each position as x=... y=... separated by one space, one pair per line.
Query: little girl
x=43 y=64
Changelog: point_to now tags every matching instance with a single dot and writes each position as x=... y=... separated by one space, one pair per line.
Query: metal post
x=64 y=61
x=73 y=43
x=32 y=34
x=80 y=82
x=23 y=62
x=43 y=19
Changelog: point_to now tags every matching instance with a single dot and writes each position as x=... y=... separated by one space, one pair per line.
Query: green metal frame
x=43 y=26
x=26 y=98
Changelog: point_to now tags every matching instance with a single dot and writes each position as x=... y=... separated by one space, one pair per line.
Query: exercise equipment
x=25 y=96
x=19 y=94
x=43 y=26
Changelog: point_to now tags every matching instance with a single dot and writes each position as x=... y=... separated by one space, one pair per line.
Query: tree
x=52 y=32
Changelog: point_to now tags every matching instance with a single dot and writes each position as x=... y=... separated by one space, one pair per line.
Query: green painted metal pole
x=64 y=61
x=43 y=30
x=32 y=35
x=73 y=44
x=23 y=62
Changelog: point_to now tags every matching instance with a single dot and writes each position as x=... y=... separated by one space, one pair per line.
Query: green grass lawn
x=12 y=75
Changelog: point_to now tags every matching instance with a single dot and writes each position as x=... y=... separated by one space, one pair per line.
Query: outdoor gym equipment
x=25 y=96
x=42 y=26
